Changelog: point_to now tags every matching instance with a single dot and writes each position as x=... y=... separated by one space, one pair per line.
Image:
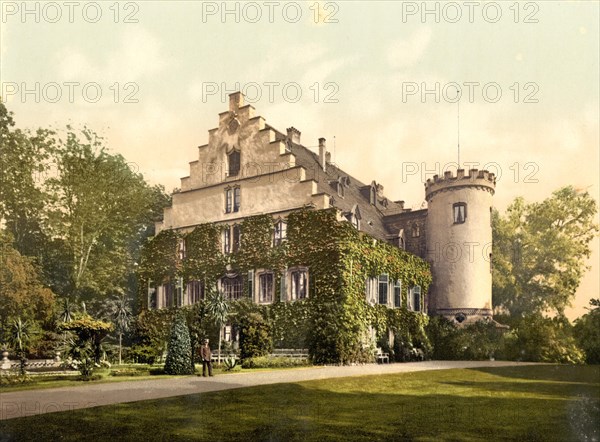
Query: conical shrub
x=179 y=350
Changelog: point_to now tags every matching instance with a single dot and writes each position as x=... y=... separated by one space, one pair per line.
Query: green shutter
x=283 y=287
x=251 y=284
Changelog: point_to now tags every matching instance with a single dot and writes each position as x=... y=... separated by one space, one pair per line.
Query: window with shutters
x=397 y=293
x=382 y=289
x=265 y=287
x=298 y=284
x=415 y=298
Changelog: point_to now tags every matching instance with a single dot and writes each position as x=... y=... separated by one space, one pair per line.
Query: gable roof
x=371 y=215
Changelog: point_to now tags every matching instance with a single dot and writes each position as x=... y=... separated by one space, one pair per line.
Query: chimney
x=236 y=100
x=293 y=134
x=322 y=151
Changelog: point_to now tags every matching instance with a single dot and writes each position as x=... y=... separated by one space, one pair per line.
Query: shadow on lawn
x=314 y=411
x=587 y=374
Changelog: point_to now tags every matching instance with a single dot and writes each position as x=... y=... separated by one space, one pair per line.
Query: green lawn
x=546 y=402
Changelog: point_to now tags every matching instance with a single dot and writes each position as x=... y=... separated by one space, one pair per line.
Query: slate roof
x=356 y=193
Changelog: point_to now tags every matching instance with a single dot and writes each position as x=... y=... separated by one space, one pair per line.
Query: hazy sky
x=377 y=79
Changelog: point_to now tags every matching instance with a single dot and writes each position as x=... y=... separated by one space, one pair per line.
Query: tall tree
x=79 y=210
x=540 y=252
x=25 y=162
x=217 y=307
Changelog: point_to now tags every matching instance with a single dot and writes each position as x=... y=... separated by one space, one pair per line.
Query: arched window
x=233 y=160
x=232 y=287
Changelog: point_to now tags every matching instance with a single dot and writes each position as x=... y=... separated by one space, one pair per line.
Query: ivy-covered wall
x=335 y=323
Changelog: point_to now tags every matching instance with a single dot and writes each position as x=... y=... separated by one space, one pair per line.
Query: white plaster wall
x=459 y=253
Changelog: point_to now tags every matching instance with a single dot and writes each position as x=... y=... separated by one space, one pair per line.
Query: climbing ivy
x=335 y=322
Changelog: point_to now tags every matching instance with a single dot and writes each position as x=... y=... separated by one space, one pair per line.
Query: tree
x=24 y=162
x=587 y=332
x=99 y=207
x=179 y=350
x=218 y=308
x=255 y=336
x=120 y=314
x=22 y=295
x=20 y=337
x=90 y=332
x=81 y=212
x=540 y=252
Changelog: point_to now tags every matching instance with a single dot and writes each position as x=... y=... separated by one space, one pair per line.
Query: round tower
x=459 y=244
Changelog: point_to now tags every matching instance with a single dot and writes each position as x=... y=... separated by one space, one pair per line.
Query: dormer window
x=459 y=212
x=354 y=217
x=373 y=196
x=233 y=162
x=340 y=189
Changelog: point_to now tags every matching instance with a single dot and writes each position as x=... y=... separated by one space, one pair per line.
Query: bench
x=300 y=353
x=382 y=357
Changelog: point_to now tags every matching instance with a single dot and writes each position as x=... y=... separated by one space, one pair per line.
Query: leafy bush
x=478 y=341
x=273 y=362
x=538 y=339
x=255 y=336
x=179 y=350
x=587 y=333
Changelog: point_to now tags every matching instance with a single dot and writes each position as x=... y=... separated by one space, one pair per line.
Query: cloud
x=406 y=53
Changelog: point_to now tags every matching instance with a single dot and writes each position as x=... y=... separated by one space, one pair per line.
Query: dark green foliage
x=539 y=339
x=334 y=321
x=478 y=341
x=255 y=336
x=587 y=333
x=179 y=350
x=540 y=252
x=273 y=362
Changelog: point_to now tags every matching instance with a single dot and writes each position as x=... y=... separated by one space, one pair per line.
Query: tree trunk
x=219 y=354
x=120 y=347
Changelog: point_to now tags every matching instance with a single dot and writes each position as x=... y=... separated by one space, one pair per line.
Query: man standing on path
x=206 y=354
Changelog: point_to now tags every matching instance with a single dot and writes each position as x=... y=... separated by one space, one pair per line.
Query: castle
x=249 y=168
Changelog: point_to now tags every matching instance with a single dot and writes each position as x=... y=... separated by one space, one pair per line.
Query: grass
x=529 y=403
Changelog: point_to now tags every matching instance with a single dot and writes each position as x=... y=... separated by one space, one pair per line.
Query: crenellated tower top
x=474 y=178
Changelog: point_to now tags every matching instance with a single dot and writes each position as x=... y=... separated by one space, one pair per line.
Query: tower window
x=460 y=212
x=233 y=160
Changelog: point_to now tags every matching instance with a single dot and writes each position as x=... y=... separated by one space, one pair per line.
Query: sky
x=379 y=80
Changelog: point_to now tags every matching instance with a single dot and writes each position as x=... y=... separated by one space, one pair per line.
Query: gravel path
x=32 y=402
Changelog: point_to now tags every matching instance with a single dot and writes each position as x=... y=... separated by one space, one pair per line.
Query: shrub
x=273 y=362
x=255 y=336
x=538 y=339
x=478 y=341
x=587 y=333
x=179 y=350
